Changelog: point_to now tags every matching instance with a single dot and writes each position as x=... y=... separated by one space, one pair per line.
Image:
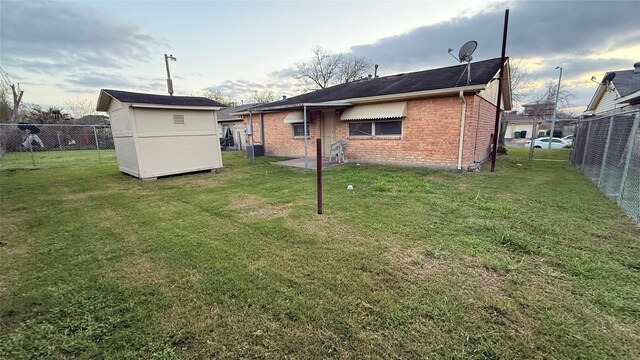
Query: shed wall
x=123 y=138
x=166 y=148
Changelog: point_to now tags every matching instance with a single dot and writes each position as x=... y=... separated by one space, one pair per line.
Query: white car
x=569 y=139
x=543 y=142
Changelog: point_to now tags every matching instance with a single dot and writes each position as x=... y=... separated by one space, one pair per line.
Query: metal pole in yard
x=304 y=107
x=555 y=108
x=253 y=144
x=606 y=150
x=586 y=146
x=59 y=142
x=95 y=136
x=319 y=173
x=627 y=161
x=534 y=134
x=496 y=130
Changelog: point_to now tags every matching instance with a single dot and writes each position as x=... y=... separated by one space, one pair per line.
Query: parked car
x=569 y=139
x=543 y=142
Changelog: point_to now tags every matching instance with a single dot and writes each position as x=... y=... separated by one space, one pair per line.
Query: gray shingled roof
x=449 y=77
x=225 y=114
x=625 y=83
x=141 y=98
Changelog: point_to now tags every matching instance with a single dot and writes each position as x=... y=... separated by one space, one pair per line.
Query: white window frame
x=293 y=130
x=373 y=128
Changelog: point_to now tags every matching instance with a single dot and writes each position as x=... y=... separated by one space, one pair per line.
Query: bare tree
x=10 y=108
x=353 y=68
x=325 y=69
x=263 y=96
x=78 y=108
x=520 y=80
x=542 y=106
x=216 y=95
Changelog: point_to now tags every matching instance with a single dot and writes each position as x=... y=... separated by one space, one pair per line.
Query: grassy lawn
x=529 y=262
x=49 y=159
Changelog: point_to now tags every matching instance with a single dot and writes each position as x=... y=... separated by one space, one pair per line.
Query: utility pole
x=555 y=109
x=169 y=82
x=496 y=130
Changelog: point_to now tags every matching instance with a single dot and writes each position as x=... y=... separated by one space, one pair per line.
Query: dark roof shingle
x=449 y=77
x=625 y=83
x=141 y=98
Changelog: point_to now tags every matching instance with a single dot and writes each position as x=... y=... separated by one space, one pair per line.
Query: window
x=360 y=129
x=178 y=119
x=388 y=128
x=379 y=128
x=298 y=129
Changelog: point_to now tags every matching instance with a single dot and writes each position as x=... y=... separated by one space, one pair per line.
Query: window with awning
x=394 y=110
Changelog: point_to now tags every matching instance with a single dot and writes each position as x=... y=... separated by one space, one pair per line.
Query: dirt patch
x=413 y=262
x=254 y=207
x=142 y=270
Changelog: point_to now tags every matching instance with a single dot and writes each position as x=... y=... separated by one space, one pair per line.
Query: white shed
x=159 y=135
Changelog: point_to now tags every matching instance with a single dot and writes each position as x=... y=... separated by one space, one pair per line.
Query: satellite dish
x=466 y=50
x=607 y=78
x=606 y=81
x=464 y=55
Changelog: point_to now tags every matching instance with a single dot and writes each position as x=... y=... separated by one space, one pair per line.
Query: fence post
x=572 y=154
x=95 y=136
x=586 y=146
x=33 y=159
x=630 y=143
x=606 y=150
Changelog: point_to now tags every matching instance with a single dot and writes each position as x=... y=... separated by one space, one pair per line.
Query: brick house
x=430 y=118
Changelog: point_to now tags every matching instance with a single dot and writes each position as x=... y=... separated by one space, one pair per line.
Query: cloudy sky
x=60 y=51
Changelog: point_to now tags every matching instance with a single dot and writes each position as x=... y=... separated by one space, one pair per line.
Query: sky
x=61 y=51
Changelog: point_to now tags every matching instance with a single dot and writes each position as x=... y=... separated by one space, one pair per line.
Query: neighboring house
x=517 y=124
x=620 y=94
x=429 y=118
x=159 y=135
x=93 y=120
x=229 y=121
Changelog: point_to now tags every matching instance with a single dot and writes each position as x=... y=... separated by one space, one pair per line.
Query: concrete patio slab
x=311 y=163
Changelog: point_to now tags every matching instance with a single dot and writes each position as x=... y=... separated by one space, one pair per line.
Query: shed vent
x=178 y=119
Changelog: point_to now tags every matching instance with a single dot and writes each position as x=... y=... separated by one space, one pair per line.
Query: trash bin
x=516 y=135
x=523 y=134
x=255 y=150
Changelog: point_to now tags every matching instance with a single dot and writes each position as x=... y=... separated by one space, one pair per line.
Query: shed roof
x=452 y=77
x=153 y=99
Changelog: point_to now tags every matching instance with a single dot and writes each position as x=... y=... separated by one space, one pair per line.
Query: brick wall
x=479 y=128
x=278 y=136
x=430 y=134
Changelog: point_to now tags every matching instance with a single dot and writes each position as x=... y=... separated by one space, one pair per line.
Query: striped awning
x=294 y=117
x=394 y=110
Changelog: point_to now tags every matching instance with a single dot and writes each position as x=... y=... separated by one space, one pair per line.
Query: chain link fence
x=607 y=151
x=45 y=145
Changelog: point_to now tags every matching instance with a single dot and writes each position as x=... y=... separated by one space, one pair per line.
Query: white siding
x=165 y=148
x=607 y=101
x=123 y=138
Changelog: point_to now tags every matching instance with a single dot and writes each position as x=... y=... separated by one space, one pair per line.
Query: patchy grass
x=529 y=262
x=50 y=159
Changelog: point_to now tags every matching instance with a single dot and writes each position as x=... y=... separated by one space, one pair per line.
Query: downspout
x=463 y=116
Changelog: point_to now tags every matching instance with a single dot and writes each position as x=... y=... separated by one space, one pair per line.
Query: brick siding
x=430 y=134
